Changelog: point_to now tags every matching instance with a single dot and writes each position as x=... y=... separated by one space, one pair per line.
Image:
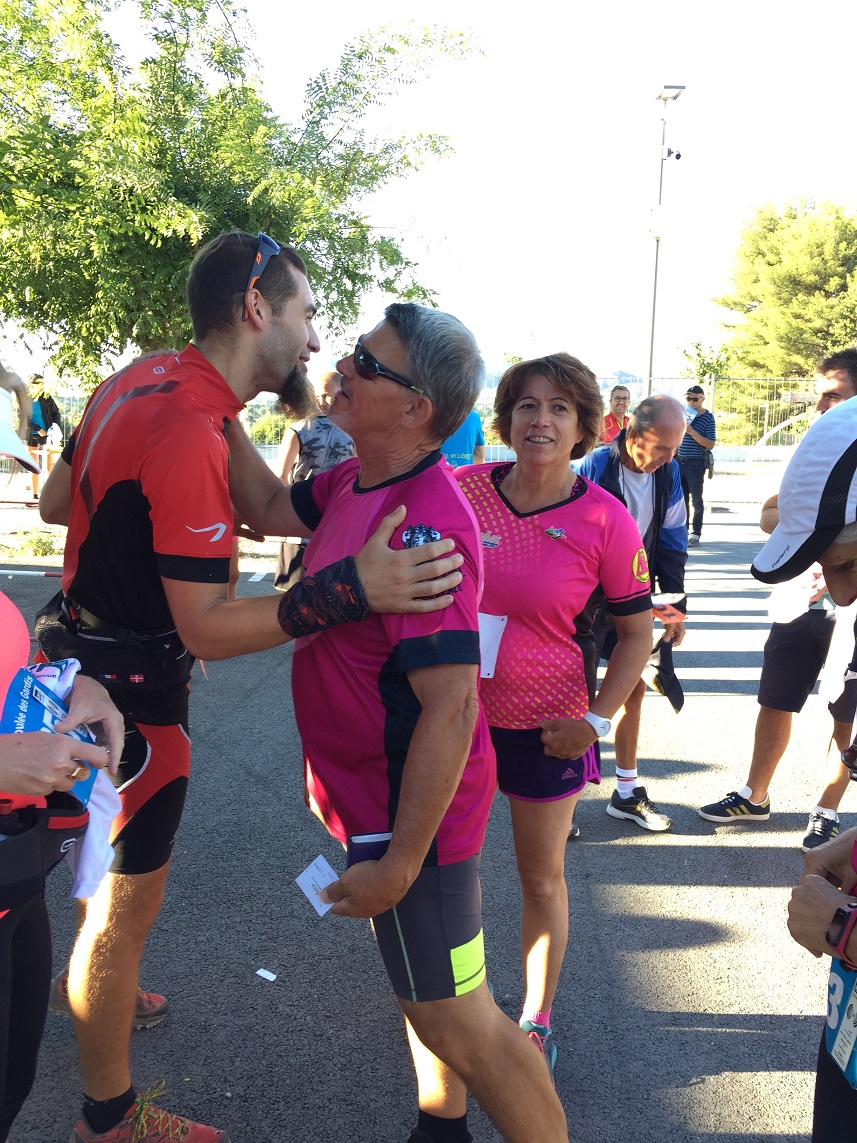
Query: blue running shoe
x=736 y=808
x=543 y=1039
x=820 y=830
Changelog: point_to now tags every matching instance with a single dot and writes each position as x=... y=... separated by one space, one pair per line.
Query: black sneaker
x=417 y=1136
x=637 y=808
x=574 y=832
x=734 y=808
x=820 y=829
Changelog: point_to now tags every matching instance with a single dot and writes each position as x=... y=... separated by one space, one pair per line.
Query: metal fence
x=71 y=407
x=760 y=420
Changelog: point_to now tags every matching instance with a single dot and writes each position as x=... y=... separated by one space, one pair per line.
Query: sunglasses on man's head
x=369 y=367
x=265 y=251
x=693 y=400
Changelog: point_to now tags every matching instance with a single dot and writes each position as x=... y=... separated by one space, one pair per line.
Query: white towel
x=91 y=858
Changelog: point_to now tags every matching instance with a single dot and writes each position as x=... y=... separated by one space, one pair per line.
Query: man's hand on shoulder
x=412 y=580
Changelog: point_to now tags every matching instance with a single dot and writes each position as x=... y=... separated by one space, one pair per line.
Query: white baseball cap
x=10 y=443
x=817 y=498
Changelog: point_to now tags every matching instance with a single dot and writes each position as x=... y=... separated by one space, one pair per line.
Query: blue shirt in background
x=458 y=450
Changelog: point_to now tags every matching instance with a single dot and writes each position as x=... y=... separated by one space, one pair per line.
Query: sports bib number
x=841 y=1031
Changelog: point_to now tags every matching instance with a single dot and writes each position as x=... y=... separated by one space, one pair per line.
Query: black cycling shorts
x=431 y=942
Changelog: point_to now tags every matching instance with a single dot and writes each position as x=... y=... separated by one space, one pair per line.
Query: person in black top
x=44 y=414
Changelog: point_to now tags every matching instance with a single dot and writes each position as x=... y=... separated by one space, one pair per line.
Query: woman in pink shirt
x=550 y=538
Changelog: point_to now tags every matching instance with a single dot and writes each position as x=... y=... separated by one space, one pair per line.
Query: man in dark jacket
x=638 y=468
x=45 y=413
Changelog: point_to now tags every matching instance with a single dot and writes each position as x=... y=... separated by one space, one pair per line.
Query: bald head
x=326 y=388
x=655 y=431
x=661 y=411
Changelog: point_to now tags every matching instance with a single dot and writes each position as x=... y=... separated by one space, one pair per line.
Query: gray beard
x=296 y=397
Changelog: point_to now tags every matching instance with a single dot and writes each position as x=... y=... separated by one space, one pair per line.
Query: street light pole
x=669 y=92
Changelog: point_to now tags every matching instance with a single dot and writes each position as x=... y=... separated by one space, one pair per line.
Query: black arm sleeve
x=333 y=595
x=304 y=505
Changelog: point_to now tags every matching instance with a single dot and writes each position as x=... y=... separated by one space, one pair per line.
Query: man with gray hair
x=639 y=469
x=404 y=776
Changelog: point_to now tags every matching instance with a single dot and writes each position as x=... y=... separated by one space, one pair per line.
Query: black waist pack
x=33 y=841
x=151 y=661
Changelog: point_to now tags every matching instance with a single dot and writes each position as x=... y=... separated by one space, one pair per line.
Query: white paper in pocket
x=491 y=628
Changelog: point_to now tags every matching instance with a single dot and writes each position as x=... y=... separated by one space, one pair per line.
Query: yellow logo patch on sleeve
x=640 y=566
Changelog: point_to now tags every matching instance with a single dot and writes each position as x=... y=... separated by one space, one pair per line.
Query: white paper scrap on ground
x=317 y=875
x=491 y=628
x=265 y=974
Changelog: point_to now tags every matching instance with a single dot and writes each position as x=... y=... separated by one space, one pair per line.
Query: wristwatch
x=837 y=935
x=600 y=725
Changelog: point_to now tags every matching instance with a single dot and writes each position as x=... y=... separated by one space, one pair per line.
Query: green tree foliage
x=748 y=409
x=794 y=289
x=706 y=362
x=109 y=182
x=268 y=427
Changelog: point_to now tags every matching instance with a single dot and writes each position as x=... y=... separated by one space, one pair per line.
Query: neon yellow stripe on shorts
x=468 y=965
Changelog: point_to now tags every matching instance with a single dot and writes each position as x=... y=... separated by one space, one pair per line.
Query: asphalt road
x=685 y=1011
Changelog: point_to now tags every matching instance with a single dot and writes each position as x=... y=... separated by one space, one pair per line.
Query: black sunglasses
x=265 y=251
x=369 y=367
x=693 y=400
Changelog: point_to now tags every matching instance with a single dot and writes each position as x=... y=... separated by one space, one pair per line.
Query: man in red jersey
x=143 y=487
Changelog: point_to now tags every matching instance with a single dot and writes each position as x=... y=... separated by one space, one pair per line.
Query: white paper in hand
x=491 y=628
x=317 y=876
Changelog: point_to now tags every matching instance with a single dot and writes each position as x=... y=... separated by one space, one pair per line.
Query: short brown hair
x=217 y=282
x=570 y=376
x=845 y=360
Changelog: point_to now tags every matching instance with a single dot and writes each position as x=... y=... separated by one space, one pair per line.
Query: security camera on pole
x=669 y=92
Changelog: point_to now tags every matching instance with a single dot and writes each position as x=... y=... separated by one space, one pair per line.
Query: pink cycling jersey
x=355 y=708
x=540 y=571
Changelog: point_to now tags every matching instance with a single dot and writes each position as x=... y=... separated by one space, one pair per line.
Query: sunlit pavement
x=685 y=1011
